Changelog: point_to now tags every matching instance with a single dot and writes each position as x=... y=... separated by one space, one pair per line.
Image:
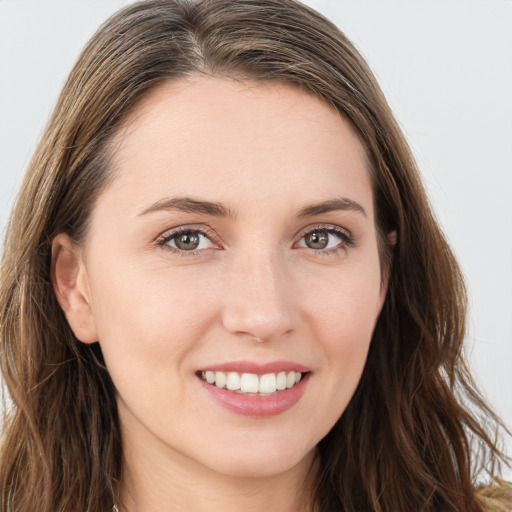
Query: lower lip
x=254 y=405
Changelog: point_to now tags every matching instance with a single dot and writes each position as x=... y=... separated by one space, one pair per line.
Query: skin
x=253 y=290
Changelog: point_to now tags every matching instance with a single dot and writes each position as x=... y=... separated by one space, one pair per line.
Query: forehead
x=220 y=137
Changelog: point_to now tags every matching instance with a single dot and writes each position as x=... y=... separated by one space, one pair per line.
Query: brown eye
x=326 y=239
x=317 y=239
x=187 y=241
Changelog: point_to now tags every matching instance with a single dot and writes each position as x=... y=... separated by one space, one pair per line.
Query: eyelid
x=167 y=235
x=344 y=234
x=347 y=239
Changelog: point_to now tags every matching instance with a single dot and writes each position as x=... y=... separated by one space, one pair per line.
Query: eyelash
x=347 y=239
x=168 y=236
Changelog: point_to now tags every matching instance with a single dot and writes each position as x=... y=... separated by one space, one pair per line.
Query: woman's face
x=236 y=241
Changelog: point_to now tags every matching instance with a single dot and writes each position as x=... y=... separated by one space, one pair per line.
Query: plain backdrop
x=446 y=69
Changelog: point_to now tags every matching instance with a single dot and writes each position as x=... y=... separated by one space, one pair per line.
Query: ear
x=391 y=239
x=71 y=286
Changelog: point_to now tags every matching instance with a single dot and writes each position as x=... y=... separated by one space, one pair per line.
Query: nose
x=257 y=301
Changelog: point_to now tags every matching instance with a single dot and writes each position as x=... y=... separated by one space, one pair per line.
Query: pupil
x=317 y=239
x=187 y=241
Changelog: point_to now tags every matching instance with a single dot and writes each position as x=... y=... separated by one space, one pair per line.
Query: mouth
x=252 y=384
x=255 y=390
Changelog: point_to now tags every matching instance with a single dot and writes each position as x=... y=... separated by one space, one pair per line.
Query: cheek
x=346 y=304
x=344 y=330
x=148 y=323
x=343 y=316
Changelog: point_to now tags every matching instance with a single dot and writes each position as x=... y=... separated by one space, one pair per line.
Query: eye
x=326 y=239
x=187 y=240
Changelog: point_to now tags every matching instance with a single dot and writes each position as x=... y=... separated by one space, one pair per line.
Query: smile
x=251 y=383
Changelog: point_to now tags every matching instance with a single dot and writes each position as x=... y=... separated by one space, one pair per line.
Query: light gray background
x=446 y=68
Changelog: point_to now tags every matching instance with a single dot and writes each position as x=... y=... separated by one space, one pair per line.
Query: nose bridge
x=257 y=296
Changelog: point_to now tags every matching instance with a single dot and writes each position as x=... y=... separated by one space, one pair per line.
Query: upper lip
x=257 y=368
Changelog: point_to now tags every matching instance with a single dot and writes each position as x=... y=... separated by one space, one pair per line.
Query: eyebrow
x=191 y=205
x=333 y=205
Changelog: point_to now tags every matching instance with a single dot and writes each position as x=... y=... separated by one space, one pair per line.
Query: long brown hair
x=405 y=441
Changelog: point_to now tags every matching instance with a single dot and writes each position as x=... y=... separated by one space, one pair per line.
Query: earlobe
x=392 y=238
x=71 y=287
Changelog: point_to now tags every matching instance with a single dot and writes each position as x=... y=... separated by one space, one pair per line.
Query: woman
x=214 y=295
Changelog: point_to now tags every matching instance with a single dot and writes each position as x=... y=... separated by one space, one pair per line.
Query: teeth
x=290 y=379
x=248 y=383
x=220 y=379
x=267 y=383
x=233 y=381
x=252 y=383
x=281 y=381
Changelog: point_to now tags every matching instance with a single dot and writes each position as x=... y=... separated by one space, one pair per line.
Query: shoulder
x=496 y=497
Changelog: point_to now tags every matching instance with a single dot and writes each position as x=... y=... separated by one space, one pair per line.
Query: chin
x=255 y=461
